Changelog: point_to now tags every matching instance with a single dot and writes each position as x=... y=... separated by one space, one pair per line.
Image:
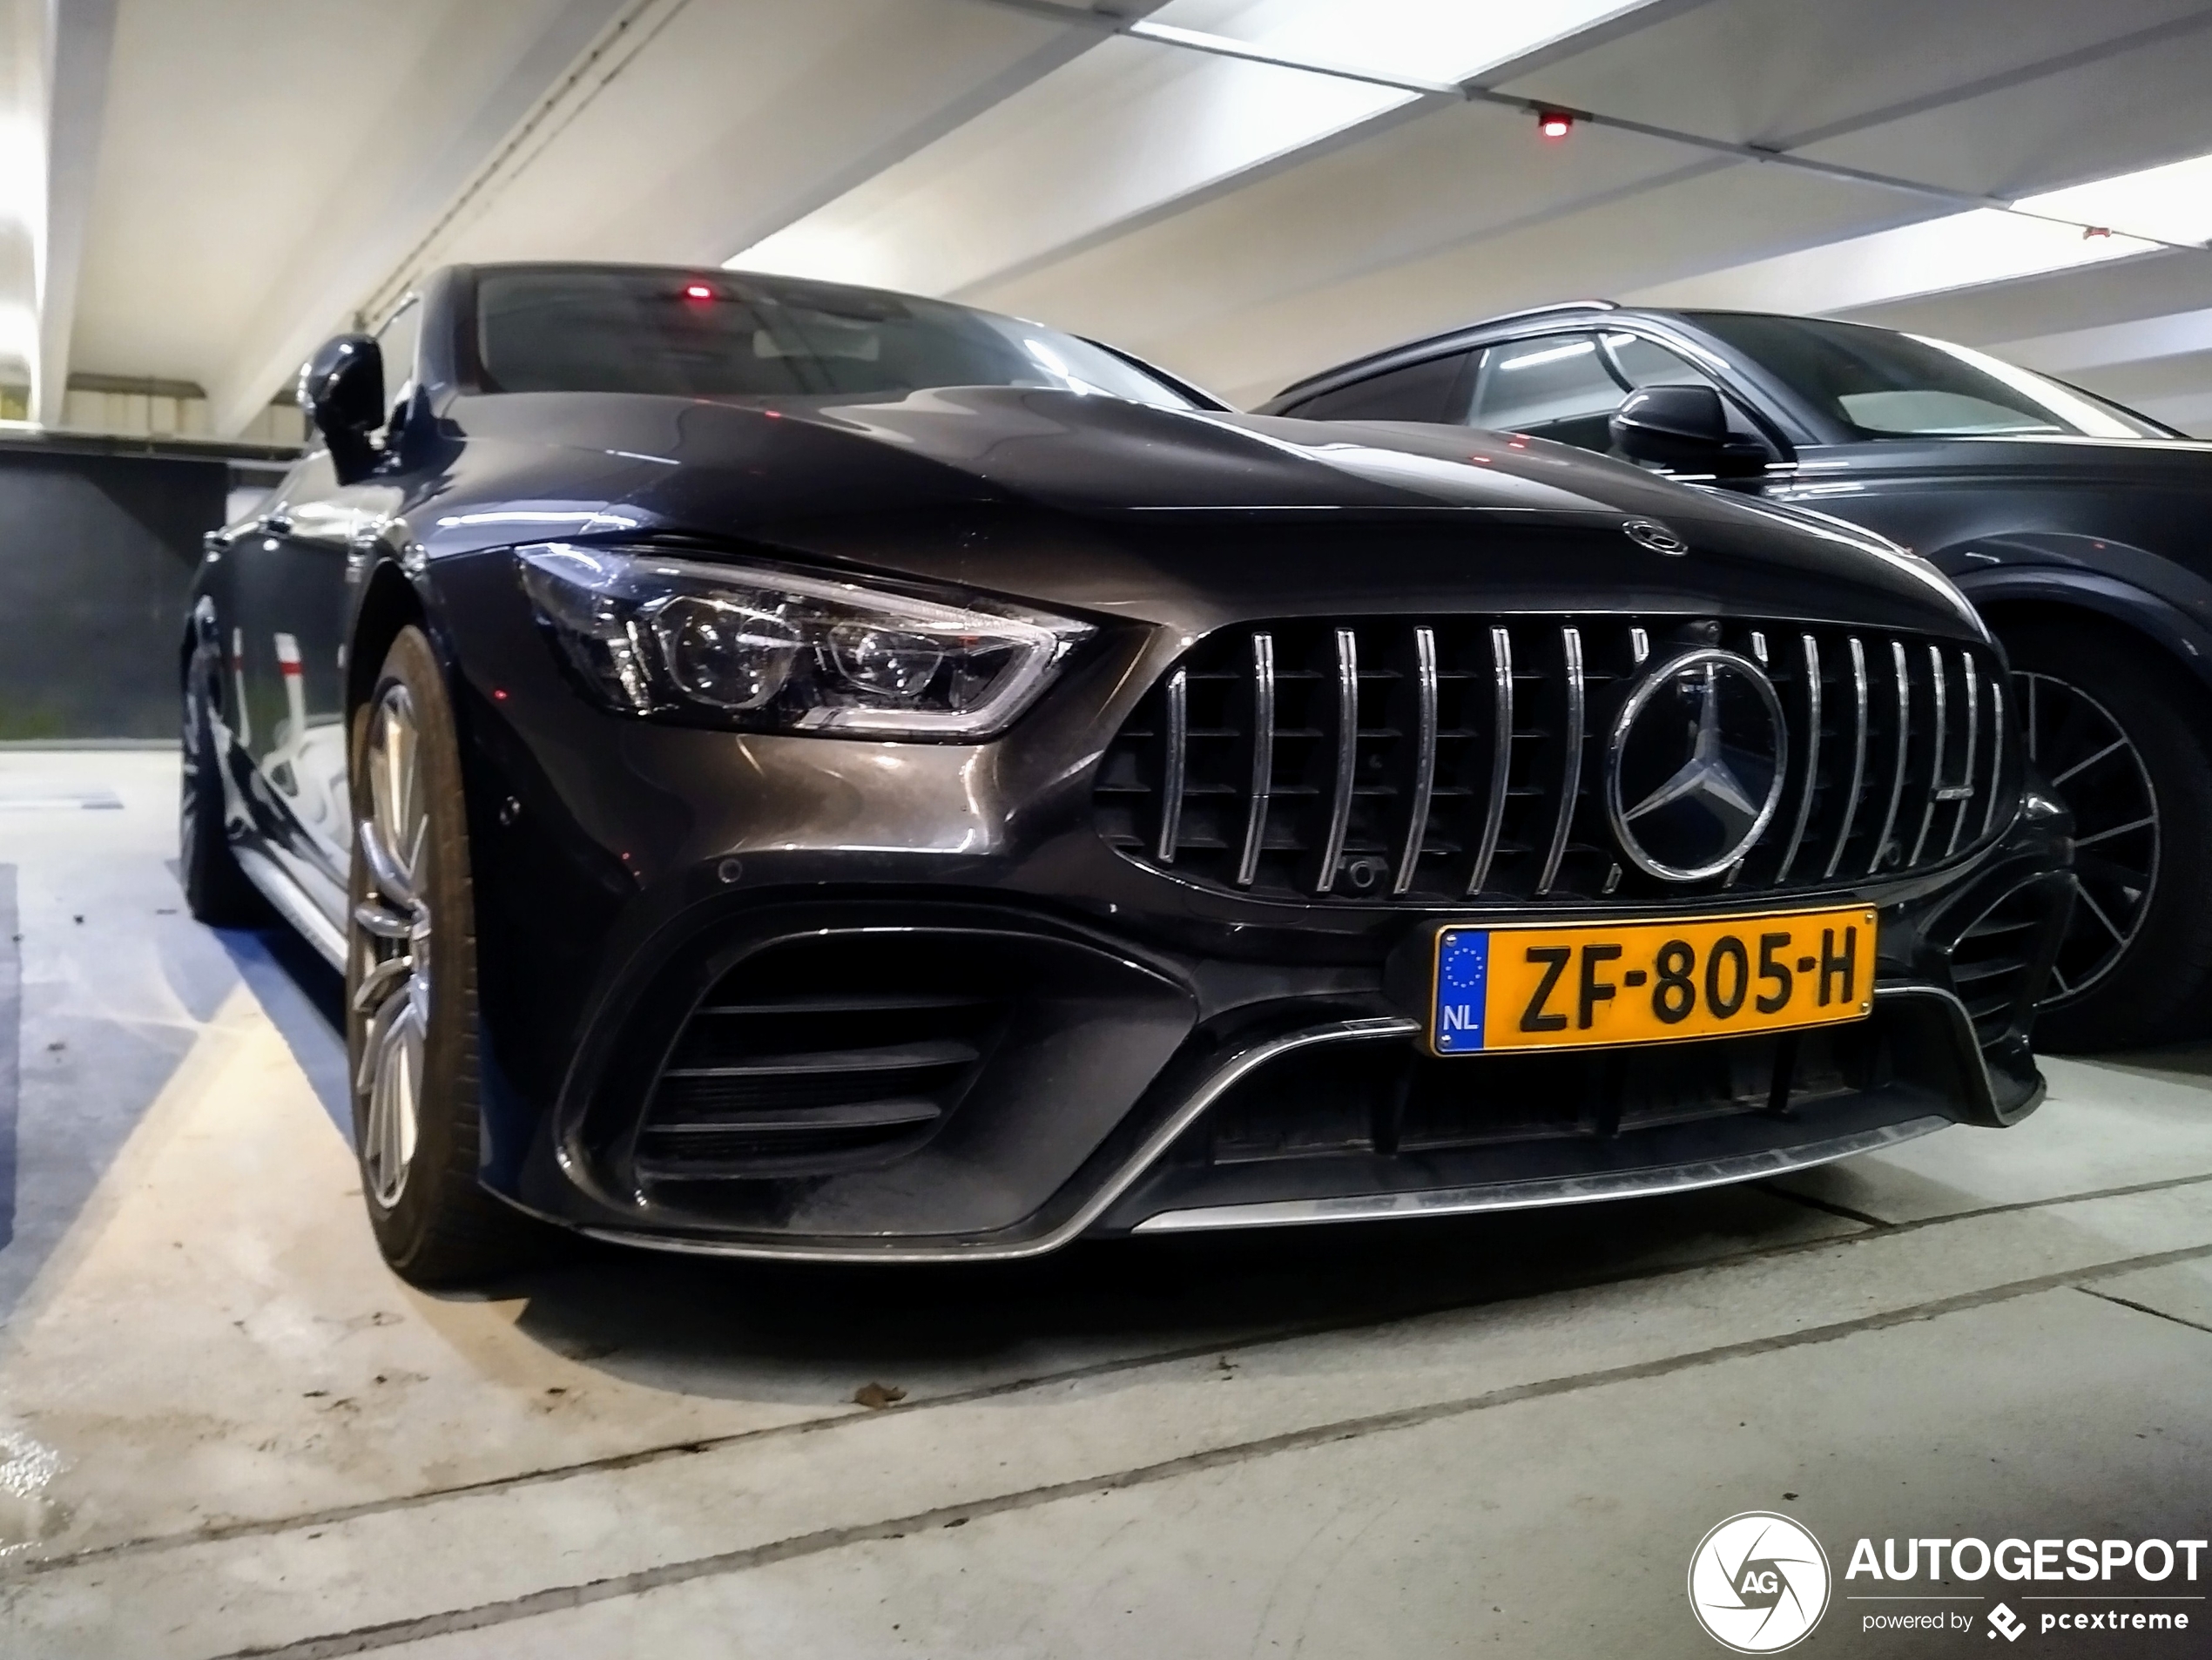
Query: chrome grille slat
x=1996 y=752
x=1812 y=757
x=1347 y=761
x=1904 y=748
x=1859 y=756
x=1442 y=761
x=1425 y=686
x=1974 y=741
x=1941 y=678
x=1263 y=781
x=1175 y=764
x=1494 y=811
x=1570 y=786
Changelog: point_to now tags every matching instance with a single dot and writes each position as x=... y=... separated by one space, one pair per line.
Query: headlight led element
x=768 y=649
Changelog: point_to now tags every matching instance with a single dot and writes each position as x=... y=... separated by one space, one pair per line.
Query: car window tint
x=1642 y=362
x=1418 y=392
x=1550 y=386
x=396 y=342
x=1882 y=384
x=716 y=334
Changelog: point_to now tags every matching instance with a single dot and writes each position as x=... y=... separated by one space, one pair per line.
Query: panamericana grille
x=1380 y=759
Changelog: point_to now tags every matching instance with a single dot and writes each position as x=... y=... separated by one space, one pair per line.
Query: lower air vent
x=1994 y=966
x=774 y=1076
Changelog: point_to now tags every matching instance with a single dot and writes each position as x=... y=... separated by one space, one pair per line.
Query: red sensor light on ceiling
x=698 y=291
x=1554 y=123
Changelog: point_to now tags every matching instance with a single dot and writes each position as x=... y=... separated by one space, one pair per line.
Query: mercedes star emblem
x=1695 y=769
x=1650 y=533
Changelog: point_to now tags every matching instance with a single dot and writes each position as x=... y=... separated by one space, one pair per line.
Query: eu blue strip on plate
x=1462 y=977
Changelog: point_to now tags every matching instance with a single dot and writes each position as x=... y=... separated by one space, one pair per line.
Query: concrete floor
x=224 y=1428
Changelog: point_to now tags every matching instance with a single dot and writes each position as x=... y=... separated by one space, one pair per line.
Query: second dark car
x=800 y=770
x=2077 y=527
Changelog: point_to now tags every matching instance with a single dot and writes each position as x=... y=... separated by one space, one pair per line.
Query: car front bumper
x=1085 y=1046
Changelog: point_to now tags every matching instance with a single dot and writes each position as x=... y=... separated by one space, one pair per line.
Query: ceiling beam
x=353 y=256
x=80 y=40
x=1483 y=89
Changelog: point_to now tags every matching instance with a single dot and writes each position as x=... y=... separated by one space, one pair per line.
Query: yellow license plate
x=1606 y=983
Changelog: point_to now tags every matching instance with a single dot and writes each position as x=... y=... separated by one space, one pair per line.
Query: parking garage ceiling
x=198 y=190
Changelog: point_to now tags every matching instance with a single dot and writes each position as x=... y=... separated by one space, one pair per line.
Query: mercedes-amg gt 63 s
x=797 y=771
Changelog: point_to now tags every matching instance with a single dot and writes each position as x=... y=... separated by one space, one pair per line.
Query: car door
x=292 y=584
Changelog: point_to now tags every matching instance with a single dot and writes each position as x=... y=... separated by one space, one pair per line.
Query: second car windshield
x=1887 y=385
x=718 y=335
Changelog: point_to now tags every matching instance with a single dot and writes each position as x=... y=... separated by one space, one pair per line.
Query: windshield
x=1887 y=385
x=694 y=334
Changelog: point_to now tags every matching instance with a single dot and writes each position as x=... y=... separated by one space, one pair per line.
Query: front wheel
x=2118 y=736
x=411 y=985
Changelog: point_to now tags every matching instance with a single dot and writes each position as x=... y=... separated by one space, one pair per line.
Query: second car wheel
x=411 y=985
x=2120 y=736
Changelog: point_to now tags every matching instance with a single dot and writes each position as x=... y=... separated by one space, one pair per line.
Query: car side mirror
x=341 y=388
x=1683 y=428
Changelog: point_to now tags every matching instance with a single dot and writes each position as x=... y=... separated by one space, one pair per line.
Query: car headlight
x=767 y=650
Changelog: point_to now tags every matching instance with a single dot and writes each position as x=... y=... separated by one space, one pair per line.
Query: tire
x=2121 y=737
x=411 y=987
x=216 y=890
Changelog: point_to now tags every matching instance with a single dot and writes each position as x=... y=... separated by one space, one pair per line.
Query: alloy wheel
x=2089 y=761
x=391 y=944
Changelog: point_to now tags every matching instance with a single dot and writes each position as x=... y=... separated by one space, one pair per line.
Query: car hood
x=935 y=482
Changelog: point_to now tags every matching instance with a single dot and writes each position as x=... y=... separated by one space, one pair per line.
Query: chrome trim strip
x=1859 y=756
x=1362 y=1029
x=1178 y=744
x=1812 y=758
x=1347 y=758
x=280 y=889
x=1996 y=751
x=1494 y=809
x=1570 y=783
x=1973 y=746
x=1904 y=744
x=1424 y=758
x=1263 y=778
x=1558 y=1190
x=1941 y=676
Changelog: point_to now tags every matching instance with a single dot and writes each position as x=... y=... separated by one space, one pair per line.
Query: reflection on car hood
x=1074 y=453
x=877 y=481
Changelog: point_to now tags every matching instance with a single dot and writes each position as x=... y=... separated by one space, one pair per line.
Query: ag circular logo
x=1650 y=533
x=1758 y=1582
x=1694 y=770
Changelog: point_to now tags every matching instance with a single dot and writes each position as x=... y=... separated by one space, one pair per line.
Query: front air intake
x=1441 y=761
x=807 y=1059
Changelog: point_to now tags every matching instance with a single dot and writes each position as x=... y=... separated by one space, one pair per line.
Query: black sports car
x=799 y=771
x=2076 y=526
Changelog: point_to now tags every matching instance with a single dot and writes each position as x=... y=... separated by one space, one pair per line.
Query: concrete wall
x=95 y=553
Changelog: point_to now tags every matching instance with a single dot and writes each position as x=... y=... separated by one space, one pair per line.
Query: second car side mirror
x=341 y=388
x=1682 y=428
